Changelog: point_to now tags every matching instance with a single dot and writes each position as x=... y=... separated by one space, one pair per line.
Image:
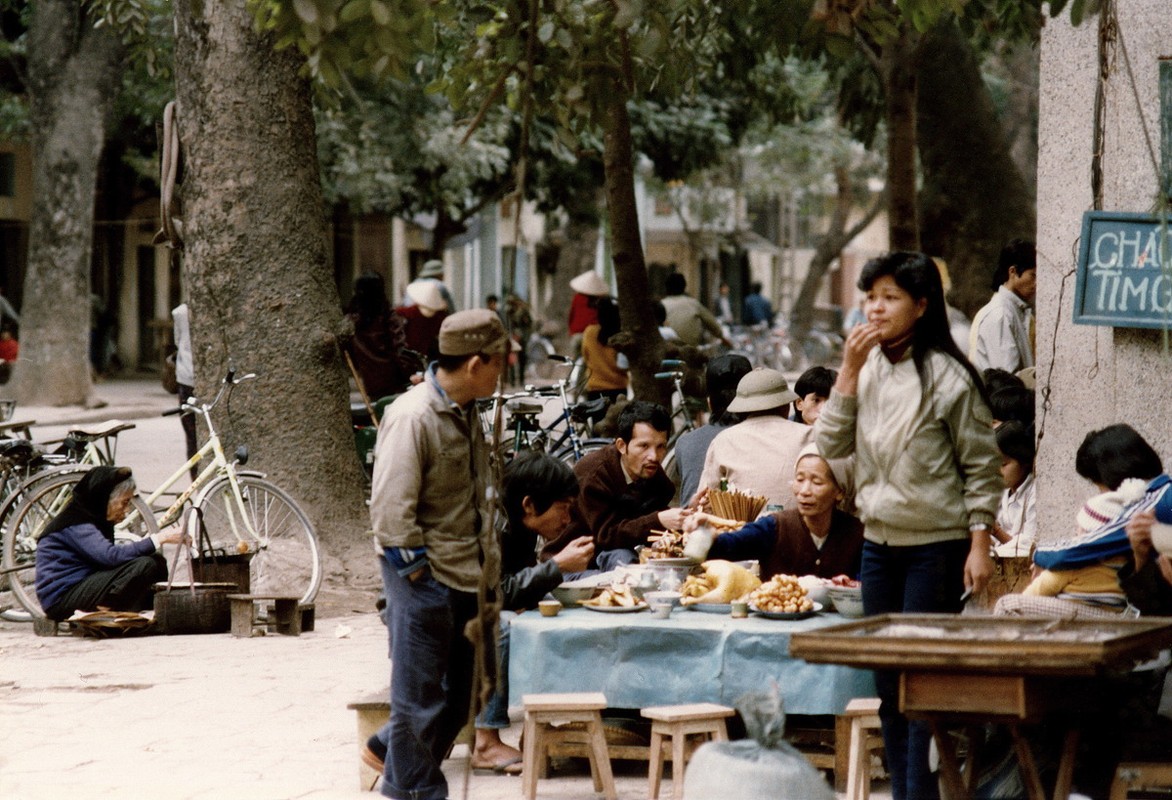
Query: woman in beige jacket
x=911 y=409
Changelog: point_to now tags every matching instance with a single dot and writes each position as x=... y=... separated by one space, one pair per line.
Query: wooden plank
x=994 y=695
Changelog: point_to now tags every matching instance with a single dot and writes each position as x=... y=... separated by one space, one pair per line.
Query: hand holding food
x=781 y=594
x=575 y=557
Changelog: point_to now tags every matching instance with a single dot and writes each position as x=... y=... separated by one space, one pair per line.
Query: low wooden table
x=979 y=670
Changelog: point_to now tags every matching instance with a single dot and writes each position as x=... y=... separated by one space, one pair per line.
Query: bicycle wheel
x=567 y=455
x=44 y=501
x=285 y=556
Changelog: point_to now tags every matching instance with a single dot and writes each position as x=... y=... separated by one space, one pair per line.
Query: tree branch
x=497 y=90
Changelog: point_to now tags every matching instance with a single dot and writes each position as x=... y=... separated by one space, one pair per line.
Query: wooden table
x=973 y=671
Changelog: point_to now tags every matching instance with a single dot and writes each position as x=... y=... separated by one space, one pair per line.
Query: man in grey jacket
x=431 y=521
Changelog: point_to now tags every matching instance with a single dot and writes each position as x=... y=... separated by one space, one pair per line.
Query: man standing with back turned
x=431 y=521
x=1000 y=335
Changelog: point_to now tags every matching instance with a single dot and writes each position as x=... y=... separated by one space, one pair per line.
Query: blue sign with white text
x=1123 y=276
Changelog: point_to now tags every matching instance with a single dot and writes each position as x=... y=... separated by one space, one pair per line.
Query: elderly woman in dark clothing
x=80 y=567
x=814 y=538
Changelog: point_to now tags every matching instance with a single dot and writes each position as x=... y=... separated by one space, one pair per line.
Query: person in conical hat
x=589 y=288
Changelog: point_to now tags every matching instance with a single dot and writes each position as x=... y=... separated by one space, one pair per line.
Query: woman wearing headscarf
x=79 y=566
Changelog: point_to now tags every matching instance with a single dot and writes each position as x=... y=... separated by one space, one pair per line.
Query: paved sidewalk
x=211 y=718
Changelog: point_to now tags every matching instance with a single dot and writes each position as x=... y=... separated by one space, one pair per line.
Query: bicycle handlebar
x=662 y=376
x=671 y=363
x=170 y=412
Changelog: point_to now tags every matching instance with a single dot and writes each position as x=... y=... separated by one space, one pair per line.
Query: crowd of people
x=910 y=467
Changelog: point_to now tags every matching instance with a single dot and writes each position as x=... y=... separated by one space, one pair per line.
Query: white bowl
x=571 y=596
x=847 y=601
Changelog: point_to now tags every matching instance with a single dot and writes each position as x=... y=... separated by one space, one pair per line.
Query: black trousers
x=187 y=420
x=128 y=587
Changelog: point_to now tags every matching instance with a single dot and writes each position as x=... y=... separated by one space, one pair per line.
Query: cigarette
x=967 y=594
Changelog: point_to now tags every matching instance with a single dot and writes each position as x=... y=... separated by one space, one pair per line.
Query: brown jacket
x=617 y=514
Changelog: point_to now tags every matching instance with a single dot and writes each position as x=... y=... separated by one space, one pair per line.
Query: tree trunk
x=627 y=250
x=974 y=198
x=898 y=66
x=74 y=76
x=256 y=267
x=837 y=237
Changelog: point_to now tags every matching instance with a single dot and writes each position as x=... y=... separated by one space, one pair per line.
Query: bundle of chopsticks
x=735 y=504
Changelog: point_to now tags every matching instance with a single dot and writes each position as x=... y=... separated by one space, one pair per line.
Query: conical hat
x=427 y=295
x=590 y=283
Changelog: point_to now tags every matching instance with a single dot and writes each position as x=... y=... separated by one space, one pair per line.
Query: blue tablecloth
x=639 y=661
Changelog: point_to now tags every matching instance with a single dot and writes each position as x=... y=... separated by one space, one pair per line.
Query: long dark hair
x=369 y=301
x=917 y=275
x=1111 y=455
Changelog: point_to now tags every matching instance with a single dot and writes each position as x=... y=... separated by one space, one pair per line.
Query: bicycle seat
x=593 y=410
x=20 y=451
x=101 y=431
x=520 y=408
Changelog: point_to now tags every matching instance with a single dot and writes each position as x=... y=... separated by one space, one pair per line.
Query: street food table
x=692 y=657
x=967 y=670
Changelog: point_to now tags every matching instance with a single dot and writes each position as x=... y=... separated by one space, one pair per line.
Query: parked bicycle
x=567 y=436
x=242 y=512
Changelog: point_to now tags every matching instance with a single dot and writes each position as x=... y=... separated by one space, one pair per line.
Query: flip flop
x=510 y=766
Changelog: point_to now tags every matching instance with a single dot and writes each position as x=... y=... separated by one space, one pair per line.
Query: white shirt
x=184 y=367
x=1000 y=335
x=1016 y=516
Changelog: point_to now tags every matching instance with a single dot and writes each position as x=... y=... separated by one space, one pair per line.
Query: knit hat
x=1103 y=508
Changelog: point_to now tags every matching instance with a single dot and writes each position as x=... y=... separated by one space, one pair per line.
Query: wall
x=1090 y=377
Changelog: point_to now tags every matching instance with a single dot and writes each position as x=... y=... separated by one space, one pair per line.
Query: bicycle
x=526 y=433
x=241 y=513
x=680 y=410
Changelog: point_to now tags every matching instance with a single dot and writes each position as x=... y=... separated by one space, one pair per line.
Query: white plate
x=785 y=614
x=711 y=608
x=616 y=609
x=671 y=562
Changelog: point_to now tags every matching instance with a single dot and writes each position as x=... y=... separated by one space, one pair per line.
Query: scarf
x=90 y=501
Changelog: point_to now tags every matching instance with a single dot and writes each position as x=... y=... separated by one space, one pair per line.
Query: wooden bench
x=1137 y=776
x=371 y=712
x=670 y=728
x=542 y=711
x=286 y=618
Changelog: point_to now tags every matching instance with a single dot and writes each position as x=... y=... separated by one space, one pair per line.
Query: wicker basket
x=193 y=608
x=1011 y=574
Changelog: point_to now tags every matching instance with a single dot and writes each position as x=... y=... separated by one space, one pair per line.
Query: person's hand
x=416 y=378
x=673 y=518
x=173 y=536
x=699 y=498
x=859 y=343
x=1139 y=533
x=978 y=568
x=1165 y=567
x=575 y=557
x=694 y=521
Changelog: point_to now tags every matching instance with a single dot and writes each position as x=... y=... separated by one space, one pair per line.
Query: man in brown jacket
x=624 y=493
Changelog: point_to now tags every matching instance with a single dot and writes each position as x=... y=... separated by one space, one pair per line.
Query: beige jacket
x=758 y=456
x=429 y=486
x=926 y=463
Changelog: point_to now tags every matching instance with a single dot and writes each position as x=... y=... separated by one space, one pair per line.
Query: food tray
x=1016 y=645
x=616 y=609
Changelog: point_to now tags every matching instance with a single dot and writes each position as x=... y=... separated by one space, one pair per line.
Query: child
x=1016 y=528
x=812 y=388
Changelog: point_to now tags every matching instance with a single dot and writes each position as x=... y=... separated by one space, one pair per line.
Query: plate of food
x=786 y=614
x=616 y=599
x=711 y=608
x=640 y=606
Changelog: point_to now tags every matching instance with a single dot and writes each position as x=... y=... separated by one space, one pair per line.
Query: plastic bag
x=764 y=765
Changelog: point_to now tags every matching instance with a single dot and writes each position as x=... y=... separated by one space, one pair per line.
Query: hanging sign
x=1124 y=276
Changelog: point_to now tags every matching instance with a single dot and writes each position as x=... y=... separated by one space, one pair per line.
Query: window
x=7 y=175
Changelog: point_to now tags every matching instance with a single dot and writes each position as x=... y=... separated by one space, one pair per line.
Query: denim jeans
x=431 y=682
x=927 y=578
x=609 y=560
x=495 y=713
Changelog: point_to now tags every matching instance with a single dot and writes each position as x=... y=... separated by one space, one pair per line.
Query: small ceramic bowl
x=847 y=601
x=549 y=608
x=661 y=609
x=671 y=598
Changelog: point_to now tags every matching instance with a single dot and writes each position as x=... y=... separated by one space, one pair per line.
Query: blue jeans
x=495 y=713
x=431 y=682
x=609 y=560
x=926 y=578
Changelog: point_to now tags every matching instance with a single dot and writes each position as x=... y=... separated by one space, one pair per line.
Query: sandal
x=511 y=766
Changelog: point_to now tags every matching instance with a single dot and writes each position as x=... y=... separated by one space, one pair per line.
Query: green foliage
x=341 y=39
x=137 y=24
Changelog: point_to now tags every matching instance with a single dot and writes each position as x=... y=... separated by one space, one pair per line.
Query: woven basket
x=1011 y=574
x=179 y=610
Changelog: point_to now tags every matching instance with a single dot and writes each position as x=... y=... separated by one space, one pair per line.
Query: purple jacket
x=69 y=556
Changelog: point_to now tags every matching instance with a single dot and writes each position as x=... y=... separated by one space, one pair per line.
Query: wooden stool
x=541 y=712
x=677 y=723
x=863 y=714
x=1134 y=776
x=285 y=612
x=371 y=713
